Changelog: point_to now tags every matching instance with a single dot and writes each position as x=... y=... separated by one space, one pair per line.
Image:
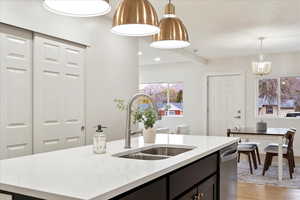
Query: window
x=290 y=96
x=167 y=96
x=279 y=97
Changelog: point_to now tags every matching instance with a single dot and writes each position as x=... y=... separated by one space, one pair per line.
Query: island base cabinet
x=190 y=195
x=205 y=191
x=208 y=190
x=156 y=190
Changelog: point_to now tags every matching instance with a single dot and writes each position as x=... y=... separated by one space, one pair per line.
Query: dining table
x=277 y=135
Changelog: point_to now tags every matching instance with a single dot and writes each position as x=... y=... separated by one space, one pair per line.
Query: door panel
x=59 y=94
x=226 y=103
x=15 y=92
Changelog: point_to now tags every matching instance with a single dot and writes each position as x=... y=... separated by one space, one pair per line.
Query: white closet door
x=15 y=92
x=58 y=94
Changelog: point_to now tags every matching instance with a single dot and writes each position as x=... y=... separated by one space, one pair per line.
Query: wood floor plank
x=249 y=191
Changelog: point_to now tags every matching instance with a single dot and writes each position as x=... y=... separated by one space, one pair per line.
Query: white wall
x=111 y=64
x=194 y=78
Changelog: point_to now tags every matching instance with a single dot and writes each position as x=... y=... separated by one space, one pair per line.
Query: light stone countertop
x=79 y=174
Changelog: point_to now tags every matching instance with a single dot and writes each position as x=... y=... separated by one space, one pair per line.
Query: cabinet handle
x=199 y=196
x=195 y=197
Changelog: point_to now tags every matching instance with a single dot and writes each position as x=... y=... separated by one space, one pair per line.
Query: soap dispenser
x=99 y=140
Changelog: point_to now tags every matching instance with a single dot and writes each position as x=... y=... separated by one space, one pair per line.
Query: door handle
x=237 y=117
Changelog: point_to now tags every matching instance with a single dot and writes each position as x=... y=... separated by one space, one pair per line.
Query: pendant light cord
x=261 y=56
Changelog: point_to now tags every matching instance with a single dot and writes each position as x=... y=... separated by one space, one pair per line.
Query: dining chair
x=256 y=144
x=163 y=130
x=249 y=149
x=183 y=129
x=288 y=153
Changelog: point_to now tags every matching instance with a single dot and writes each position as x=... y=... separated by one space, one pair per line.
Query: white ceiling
x=227 y=28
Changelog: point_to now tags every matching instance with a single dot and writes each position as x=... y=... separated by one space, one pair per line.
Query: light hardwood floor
x=249 y=191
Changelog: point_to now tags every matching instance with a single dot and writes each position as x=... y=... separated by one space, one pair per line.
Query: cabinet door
x=208 y=190
x=187 y=177
x=15 y=92
x=191 y=195
x=154 y=191
x=58 y=94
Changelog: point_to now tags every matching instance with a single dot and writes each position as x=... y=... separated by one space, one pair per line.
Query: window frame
x=168 y=95
x=277 y=77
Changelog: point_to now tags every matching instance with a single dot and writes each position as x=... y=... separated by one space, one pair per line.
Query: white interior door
x=226 y=103
x=15 y=92
x=58 y=94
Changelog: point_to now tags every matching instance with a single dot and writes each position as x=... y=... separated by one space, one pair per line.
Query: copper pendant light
x=78 y=8
x=173 y=34
x=135 y=18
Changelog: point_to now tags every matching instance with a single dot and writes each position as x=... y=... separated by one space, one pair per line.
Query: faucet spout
x=128 y=131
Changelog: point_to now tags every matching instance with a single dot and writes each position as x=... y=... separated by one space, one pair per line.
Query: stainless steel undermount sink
x=155 y=152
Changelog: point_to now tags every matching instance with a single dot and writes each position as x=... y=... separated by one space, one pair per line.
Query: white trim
x=206 y=89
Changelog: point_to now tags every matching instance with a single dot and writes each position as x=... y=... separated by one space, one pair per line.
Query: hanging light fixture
x=78 y=8
x=135 y=18
x=261 y=67
x=173 y=33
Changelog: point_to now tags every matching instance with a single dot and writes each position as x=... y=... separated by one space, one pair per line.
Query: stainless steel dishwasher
x=228 y=173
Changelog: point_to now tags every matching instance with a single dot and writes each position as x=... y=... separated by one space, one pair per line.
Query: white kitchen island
x=79 y=174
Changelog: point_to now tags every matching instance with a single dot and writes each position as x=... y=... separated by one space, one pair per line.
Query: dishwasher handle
x=229 y=155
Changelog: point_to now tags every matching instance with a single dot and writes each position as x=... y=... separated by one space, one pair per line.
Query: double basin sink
x=155 y=152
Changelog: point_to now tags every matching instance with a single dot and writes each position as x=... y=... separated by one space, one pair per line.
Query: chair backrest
x=290 y=138
x=163 y=130
x=183 y=129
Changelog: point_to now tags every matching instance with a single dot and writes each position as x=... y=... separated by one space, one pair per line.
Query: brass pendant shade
x=135 y=18
x=173 y=33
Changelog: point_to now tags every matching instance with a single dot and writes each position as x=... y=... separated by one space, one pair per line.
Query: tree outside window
x=279 y=97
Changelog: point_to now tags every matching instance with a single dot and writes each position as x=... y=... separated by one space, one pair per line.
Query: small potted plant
x=148 y=117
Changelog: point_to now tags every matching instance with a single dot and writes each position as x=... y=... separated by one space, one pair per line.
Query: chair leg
x=250 y=164
x=254 y=159
x=265 y=164
x=293 y=157
x=258 y=156
x=239 y=157
x=270 y=160
x=290 y=161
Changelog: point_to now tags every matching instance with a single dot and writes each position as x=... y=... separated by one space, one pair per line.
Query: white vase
x=149 y=135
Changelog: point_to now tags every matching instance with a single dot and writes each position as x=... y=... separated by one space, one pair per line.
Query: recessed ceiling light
x=140 y=53
x=157 y=59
